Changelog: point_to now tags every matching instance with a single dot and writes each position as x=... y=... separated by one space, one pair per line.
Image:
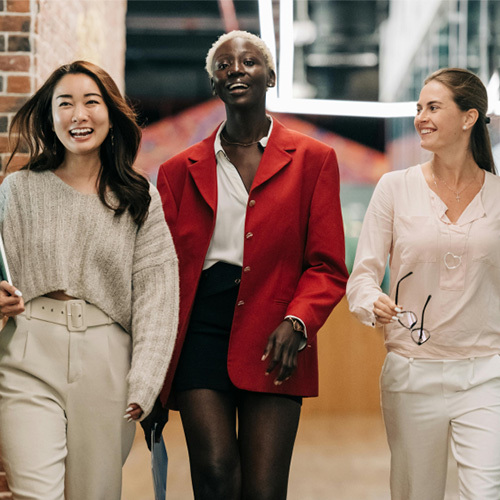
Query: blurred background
x=349 y=73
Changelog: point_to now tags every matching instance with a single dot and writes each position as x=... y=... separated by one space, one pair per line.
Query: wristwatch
x=296 y=325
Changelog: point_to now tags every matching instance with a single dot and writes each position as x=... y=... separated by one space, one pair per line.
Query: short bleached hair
x=257 y=41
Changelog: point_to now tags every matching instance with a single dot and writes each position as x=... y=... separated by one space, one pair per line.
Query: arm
x=374 y=246
x=322 y=283
x=155 y=307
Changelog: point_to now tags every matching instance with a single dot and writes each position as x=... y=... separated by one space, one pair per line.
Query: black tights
x=250 y=461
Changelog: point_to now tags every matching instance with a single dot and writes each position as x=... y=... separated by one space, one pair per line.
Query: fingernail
x=398 y=309
x=130 y=419
x=394 y=318
x=277 y=382
x=126 y=416
x=18 y=293
x=399 y=315
x=129 y=409
x=263 y=357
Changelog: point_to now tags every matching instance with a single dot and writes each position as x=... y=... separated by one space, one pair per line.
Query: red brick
x=19 y=43
x=18 y=5
x=17 y=84
x=3 y=483
x=19 y=161
x=15 y=23
x=11 y=104
x=14 y=63
x=4 y=148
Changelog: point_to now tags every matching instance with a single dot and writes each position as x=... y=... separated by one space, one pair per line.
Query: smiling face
x=240 y=74
x=439 y=121
x=80 y=116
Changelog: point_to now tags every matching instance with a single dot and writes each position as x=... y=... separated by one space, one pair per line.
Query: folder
x=4 y=268
x=159 y=465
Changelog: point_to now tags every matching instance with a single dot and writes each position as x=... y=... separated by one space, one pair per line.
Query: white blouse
x=457 y=264
x=228 y=237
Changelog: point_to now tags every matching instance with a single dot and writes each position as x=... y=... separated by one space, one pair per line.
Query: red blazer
x=293 y=259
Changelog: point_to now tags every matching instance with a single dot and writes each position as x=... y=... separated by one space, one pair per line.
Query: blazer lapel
x=203 y=170
x=276 y=155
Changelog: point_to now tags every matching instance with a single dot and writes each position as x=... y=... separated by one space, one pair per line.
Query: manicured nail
x=263 y=357
x=129 y=409
x=398 y=309
x=18 y=293
x=399 y=315
x=130 y=419
x=126 y=416
x=277 y=382
x=394 y=318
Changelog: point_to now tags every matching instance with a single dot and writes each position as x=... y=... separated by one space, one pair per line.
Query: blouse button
x=241 y=302
x=248 y=236
x=246 y=269
x=251 y=203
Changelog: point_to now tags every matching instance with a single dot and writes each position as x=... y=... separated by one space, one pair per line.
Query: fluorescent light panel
x=282 y=101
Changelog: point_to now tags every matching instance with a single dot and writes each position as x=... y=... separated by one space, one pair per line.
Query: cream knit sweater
x=57 y=238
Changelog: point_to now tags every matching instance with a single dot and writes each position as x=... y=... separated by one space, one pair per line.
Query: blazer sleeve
x=322 y=284
x=374 y=247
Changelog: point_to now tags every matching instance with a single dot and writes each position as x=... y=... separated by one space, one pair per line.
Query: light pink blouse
x=406 y=222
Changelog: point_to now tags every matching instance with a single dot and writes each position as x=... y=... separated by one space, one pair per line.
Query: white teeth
x=80 y=132
x=238 y=86
x=425 y=131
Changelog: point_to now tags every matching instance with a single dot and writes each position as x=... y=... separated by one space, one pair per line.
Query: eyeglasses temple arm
x=423 y=312
x=397 y=286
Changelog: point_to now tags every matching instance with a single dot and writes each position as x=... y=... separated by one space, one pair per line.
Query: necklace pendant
x=457 y=197
x=452 y=261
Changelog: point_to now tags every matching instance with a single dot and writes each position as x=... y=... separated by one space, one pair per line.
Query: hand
x=11 y=300
x=386 y=310
x=158 y=417
x=133 y=412
x=284 y=343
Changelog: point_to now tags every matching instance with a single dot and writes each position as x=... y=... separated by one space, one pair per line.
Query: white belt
x=77 y=315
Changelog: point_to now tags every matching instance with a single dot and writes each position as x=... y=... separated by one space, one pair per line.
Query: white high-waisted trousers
x=425 y=404
x=62 y=400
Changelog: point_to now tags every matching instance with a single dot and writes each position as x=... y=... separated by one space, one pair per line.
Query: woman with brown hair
x=439 y=224
x=93 y=302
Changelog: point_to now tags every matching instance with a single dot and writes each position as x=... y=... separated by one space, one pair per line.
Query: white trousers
x=425 y=404
x=62 y=400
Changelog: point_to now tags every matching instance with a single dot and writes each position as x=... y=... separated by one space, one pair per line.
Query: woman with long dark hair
x=439 y=224
x=93 y=304
x=255 y=214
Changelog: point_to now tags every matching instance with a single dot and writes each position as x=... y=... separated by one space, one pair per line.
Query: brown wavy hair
x=32 y=131
x=469 y=93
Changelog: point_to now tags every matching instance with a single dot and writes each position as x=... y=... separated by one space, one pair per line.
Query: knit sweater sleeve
x=155 y=307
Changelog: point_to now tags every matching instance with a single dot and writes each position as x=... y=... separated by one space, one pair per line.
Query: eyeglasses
x=408 y=319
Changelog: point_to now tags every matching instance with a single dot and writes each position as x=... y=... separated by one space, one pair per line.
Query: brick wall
x=37 y=36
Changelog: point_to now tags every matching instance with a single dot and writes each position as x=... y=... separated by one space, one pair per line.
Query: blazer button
x=246 y=269
x=248 y=236
x=251 y=203
x=241 y=303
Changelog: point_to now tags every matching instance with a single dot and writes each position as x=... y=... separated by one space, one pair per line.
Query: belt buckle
x=76 y=320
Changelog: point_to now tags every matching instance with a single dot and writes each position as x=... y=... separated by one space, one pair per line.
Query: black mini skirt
x=203 y=360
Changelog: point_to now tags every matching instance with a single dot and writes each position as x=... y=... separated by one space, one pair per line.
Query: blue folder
x=159 y=465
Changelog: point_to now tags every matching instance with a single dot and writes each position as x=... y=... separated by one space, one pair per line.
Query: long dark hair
x=32 y=130
x=469 y=93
